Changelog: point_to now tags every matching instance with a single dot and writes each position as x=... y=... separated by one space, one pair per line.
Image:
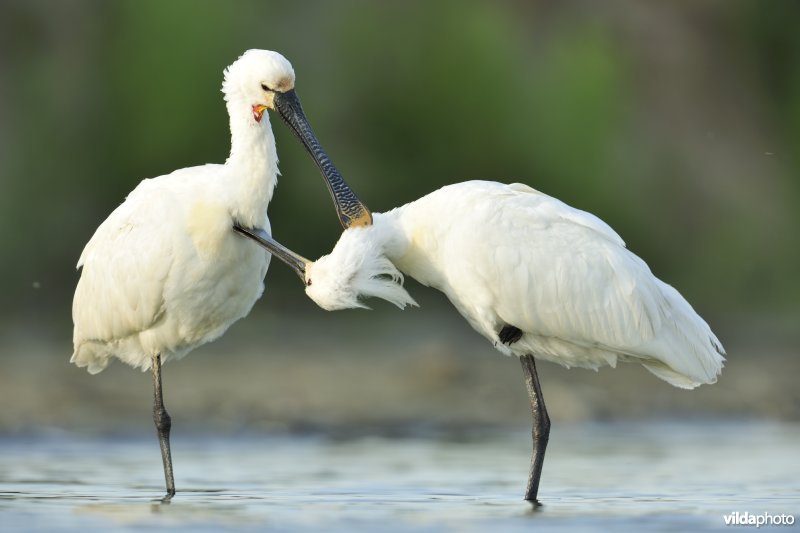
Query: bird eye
x=308 y=282
x=264 y=87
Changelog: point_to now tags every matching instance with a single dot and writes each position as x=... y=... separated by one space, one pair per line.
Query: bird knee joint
x=162 y=419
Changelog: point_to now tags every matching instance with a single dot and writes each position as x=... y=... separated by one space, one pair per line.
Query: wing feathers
x=565 y=278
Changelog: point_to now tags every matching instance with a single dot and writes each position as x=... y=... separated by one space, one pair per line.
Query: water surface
x=644 y=476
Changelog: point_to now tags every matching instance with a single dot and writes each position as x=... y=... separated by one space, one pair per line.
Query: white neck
x=390 y=232
x=252 y=166
x=410 y=243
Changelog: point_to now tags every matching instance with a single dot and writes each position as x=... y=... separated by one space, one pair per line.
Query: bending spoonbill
x=165 y=272
x=536 y=277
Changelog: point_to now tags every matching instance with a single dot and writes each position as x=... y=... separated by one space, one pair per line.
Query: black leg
x=541 y=426
x=163 y=425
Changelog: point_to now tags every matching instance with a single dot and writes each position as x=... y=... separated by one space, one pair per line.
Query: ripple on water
x=631 y=476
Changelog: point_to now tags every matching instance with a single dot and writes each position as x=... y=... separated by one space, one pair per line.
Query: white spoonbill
x=533 y=275
x=165 y=272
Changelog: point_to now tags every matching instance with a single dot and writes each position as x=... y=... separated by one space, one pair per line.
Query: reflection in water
x=612 y=476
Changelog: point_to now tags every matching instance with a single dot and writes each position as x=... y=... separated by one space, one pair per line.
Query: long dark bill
x=295 y=261
x=349 y=208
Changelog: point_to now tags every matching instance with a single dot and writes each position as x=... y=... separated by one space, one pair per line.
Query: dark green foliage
x=679 y=124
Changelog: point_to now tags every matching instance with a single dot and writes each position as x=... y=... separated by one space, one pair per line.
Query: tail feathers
x=674 y=378
x=685 y=362
x=86 y=357
x=685 y=353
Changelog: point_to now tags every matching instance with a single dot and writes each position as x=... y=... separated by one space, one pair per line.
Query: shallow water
x=643 y=476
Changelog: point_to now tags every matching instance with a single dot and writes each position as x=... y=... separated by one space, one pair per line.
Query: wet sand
x=386 y=372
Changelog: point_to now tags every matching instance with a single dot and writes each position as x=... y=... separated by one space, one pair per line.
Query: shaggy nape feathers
x=356 y=268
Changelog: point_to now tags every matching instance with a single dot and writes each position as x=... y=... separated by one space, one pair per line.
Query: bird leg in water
x=541 y=426
x=163 y=426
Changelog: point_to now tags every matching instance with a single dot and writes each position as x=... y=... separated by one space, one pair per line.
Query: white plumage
x=357 y=268
x=508 y=255
x=536 y=277
x=165 y=273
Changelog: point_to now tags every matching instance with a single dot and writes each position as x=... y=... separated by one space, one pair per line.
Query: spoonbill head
x=256 y=77
x=534 y=276
x=356 y=269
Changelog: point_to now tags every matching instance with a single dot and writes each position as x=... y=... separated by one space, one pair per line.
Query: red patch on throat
x=258 y=112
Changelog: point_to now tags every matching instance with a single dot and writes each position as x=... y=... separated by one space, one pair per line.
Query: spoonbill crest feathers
x=245 y=76
x=356 y=268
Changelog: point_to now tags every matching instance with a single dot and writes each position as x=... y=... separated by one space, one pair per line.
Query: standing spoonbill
x=165 y=272
x=533 y=275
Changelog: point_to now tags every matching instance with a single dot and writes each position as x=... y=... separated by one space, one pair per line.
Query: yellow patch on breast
x=419 y=238
x=209 y=226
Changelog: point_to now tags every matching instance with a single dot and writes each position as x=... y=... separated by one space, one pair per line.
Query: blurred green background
x=677 y=123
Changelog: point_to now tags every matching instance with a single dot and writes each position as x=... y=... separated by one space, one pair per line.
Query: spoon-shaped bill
x=351 y=211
